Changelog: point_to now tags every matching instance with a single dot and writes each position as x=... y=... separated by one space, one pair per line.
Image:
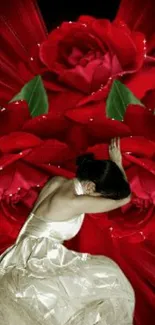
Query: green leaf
x=118 y=100
x=35 y=95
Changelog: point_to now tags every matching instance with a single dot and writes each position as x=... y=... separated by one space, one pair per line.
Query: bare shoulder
x=52 y=183
x=56 y=180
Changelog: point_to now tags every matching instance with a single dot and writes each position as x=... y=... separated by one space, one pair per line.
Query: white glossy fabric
x=43 y=283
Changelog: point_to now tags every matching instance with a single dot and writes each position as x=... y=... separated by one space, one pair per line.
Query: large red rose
x=84 y=57
x=86 y=53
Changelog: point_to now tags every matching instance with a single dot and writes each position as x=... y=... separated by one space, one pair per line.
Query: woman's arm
x=115 y=154
x=91 y=204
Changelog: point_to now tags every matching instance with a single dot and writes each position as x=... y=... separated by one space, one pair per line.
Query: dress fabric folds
x=42 y=282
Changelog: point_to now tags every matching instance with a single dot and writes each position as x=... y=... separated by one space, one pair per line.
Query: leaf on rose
x=118 y=100
x=35 y=95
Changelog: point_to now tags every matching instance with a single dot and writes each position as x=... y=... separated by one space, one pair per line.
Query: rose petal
x=18 y=141
x=19 y=176
x=86 y=114
x=149 y=100
x=142 y=162
x=8 y=159
x=101 y=151
x=62 y=101
x=47 y=126
x=142 y=81
x=131 y=44
x=13 y=117
x=51 y=151
x=77 y=138
x=140 y=121
x=138 y=15
x=138 y=146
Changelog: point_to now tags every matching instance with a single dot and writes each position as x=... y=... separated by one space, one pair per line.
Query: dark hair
x=105 y=174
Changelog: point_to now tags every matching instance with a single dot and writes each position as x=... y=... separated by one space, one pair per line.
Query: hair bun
x=88 y=157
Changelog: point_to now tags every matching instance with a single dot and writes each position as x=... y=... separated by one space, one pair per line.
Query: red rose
x=84 y=57
x=86 y=53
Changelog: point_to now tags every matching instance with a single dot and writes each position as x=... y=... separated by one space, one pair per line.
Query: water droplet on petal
x=31 y=58
x=1 y=168
x=3 y=109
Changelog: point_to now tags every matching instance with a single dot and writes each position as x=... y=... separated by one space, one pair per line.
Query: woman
x=41 y=281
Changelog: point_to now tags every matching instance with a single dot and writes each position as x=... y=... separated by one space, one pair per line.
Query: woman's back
x=57 y=196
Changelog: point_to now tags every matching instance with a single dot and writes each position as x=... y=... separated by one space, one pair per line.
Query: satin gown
x=42 y=282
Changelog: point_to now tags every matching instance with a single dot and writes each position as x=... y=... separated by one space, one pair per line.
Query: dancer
x=41 y=282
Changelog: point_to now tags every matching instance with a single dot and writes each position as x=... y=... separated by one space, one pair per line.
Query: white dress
x=43 y=283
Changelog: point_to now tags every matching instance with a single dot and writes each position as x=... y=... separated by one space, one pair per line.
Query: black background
x=54 y=12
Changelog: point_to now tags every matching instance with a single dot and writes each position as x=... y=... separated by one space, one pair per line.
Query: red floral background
x=78 y=62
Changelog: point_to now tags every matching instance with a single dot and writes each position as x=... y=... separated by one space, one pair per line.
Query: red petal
x=138 y=146
x=13 y=117
x=149 y=100
x=101 y=151
x=142 y=81
x=8 y=159
x=138 y=15
x=62 y=101
x=18 y=141
x=21 y=28
x=131 y=52
x=86 y=114
x=51 y=151
x=142 y=162
x=20 y=176
x=86 y=20
x=48 y=126
x=77 y=138
x=140 y=121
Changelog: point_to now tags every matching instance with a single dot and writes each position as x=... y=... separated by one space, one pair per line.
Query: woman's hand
x=115 y=152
